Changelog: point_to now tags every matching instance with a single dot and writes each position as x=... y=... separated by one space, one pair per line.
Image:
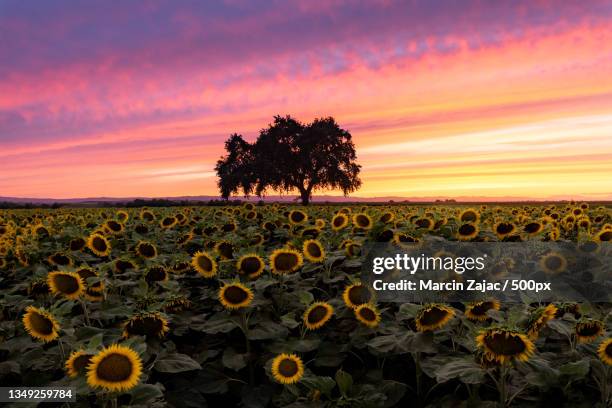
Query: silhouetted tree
x=289 y=155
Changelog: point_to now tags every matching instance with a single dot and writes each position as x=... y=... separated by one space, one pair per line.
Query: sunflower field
x=259 y=306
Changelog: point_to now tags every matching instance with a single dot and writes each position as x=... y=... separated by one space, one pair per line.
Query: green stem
x=85 y=312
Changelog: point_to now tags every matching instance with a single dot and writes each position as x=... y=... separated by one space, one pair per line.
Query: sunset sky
x=443 y=98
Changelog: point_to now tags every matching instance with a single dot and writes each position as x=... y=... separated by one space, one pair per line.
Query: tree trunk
x=305 y=197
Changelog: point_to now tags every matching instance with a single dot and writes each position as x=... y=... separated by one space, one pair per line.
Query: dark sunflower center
x=155 y=274
x=114 y=226
x=41 y=324
x=285 y=261
x=77 y=244
x=338 y=221
x=406 y=238
x=588 y=330
x=467 y=229
x=317 y=314
x=205 y=263
x=480 y=309
x=288 y=368
x=60 y=259
x=80 y=363
x=114 y=368
x=469 y=216
x=608 y=350
x=363 y=221
x=147 y=216
x=168 y=221
x=256 y=240
x=235 y=295
x=432 y=316
x=228 y=227
x=359 y=295
x=386 y=218
x=506 y=344
x=589 y=246
x=297 y=216
x=314 y=250
x=423 y=223
x=606 y=236
x=66 y=284
x=147 y=250
x=367 y=314
x=553 y=262
x=99 y=244
x=505 y=228
x=250 y=265
x=532 y=227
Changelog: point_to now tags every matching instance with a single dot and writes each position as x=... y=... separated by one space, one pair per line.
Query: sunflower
x=320 y=223
x=425 y=222
x=587 y=330
x=68 y=284
x=256 y=239
x=363 y=221
x=469 y=215
x=123 y=265
x=225 y=249
x=156 y=274
x=113 y=227
x=40 y=324
x=402 y=239
x=146 y=215
x=357 y=294
x=532 y=228
x=168 y=222
x=251 y=265
x=114 y=368
x=432 y=317
x=352 y=249
x=77 y=244
x=86 y=273
x=503 y=345
x=146 y=250
x=313 y=250
x=285 y=261
x=317 y=315
x=367 y=314
x=235 y=296
x=478 y=310
x=467 y=232
x=539 y=318
x=387 y=217
x=297 y=217
x=339 y=221
x=77 y=363
x=605 y=351
x=204 y=264
x=123 y=216
x=60 y=259
x=604 y=236
x=503 y=229
x=99 y=245
x=553 y=263
x=287 y=368
x=146 y=324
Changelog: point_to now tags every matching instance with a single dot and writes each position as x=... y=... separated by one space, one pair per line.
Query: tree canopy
x=287 y=156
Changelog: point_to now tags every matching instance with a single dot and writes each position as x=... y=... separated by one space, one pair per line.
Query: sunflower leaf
x=176 y=363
